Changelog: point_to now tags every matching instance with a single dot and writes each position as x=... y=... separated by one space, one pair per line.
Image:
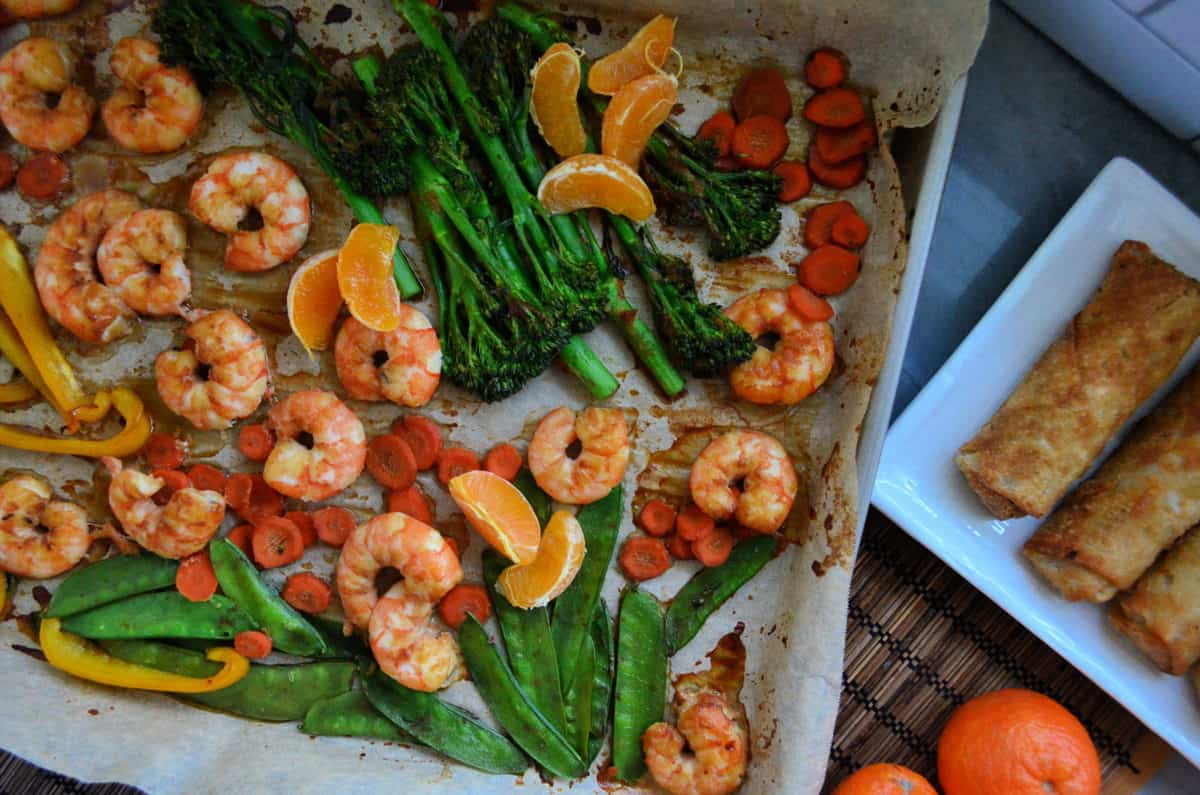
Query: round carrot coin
x=391 y=462
x=644 y=558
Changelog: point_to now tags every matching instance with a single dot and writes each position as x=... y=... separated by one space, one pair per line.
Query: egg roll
x=1162 y=613
x=1114 y=354
x=1146 y=495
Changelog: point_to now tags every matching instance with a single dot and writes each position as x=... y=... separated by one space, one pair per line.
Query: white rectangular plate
x=919 y=487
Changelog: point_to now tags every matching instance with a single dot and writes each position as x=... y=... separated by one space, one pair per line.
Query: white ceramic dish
x=918 y=486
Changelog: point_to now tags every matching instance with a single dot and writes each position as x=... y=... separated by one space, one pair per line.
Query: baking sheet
x=794 y=611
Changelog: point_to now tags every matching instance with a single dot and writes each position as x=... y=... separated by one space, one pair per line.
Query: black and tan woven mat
x=920 y=641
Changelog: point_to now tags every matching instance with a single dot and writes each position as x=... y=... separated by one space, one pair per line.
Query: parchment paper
x=905 y=56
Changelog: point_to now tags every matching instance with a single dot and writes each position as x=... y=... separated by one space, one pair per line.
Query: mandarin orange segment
x=557 y=562
x=314 y=301
x=499 y=512
x=596 y=181
x=554 y=105
x=634 y=114
x=644 y=54
x=364 y=276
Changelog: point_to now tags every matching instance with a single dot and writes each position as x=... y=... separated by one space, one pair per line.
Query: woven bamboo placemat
x=920 y=641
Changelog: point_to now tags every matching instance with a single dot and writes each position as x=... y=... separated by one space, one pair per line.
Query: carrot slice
x=727 y=164
x=391 y=461
x=837 y=107
x=759 y=141
x=693 y=523
x=463 y=599
x=796 y=180
x=195 y=578
x=719 y=130
x=644 y=558
x=411 y=501
x=657 y=518
x=842 y=175
x=818 y=223
x=762 y=92
x=839 y=144
x=304 y=523
x=453 y=461
x=307 y=592
x=850 y=231
x=826 y=68
x=240 y=538
x=679 y=547
x=503 y=460
x=207 y=477
x=43 y=176
x=163 y=451
x=252 y=497
x=334 y=525
x=8 y=170
x=808 y=304
x=256 y=441
x=276 y=542
x=829 y=270
x=423 y=436
x=173 y=480
x=714 y=548
x=252 y=644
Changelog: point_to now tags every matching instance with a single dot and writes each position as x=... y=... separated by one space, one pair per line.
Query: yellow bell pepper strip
x=128 y=441
x=78 y=657
x=17 y=392
x=14 y=350
x=20 y=302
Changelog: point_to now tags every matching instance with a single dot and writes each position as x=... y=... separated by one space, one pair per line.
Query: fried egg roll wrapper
x=1115 y=353
x=1162 y=614
x=1146 y=495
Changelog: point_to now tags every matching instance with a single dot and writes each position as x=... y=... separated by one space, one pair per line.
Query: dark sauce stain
x=337 y=14
x=590 y=24
x=30 y=652
x=42 y=596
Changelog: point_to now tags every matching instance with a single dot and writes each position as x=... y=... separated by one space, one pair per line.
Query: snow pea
x=530 y=647
x=165 y=614
x=110 y=580
x=577 y=702
x=267 y=693
x=573 y=609
x=511 y=708
x=602 y=673
x=338 y=645
x=445 y=728
x=700 y=597
x=641 y=680
x=539 y=500
x=350 y=715
x=241 y=582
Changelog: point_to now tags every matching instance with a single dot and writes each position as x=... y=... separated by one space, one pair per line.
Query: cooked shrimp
x=237 y=183
x=801 y=360
x=65 y=268
x=717 y=740
x=33 y=9
x=405 y=646
x=39 y=537
x=156 y=107
x=141 y=259
x=30 y=71
x=765 y=471
x=604 y=439
x=221 y=374
x=184 y=525
x=403 y=366
x=333 y=456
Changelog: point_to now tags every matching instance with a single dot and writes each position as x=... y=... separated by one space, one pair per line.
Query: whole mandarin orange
x=885 y=779
x=1016 y=742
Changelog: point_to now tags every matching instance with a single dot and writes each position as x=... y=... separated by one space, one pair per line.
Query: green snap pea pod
x=350 y=715
x=641 y=680
x=110 y=580
x=241 y=582
x=165 y=614
x=573 y=609
x=602 y=673
x=519 y=717
x=709 y=588
x=338 y=645
x=539 y=500
x=577 y=702
x=530 y=647
x=444 y=727
x=266 y=693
